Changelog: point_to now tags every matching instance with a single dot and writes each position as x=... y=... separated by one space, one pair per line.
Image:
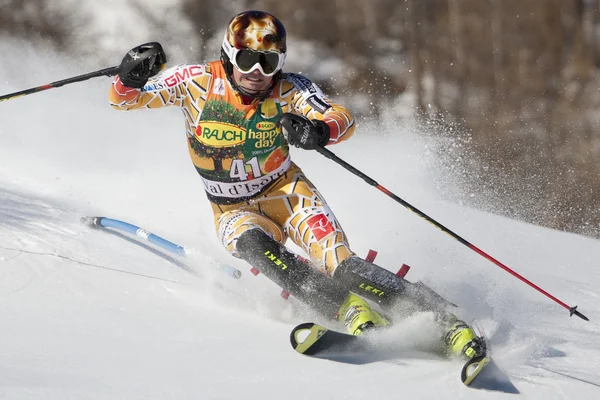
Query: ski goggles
x=247 y=60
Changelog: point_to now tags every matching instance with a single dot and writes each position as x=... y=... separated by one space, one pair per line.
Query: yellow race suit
x=243 y=158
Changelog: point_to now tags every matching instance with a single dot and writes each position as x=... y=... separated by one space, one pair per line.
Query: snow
x=105 y=30
x=87 y=314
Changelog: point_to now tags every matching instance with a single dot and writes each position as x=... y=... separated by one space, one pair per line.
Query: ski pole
x=336 y=159
x=112 y=71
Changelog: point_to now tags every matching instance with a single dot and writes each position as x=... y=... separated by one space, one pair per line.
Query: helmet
x=254 y=40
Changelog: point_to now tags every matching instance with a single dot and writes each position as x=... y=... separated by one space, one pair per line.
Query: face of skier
x=253 y=82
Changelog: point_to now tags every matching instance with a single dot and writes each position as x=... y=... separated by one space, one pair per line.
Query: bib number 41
x=238 y=169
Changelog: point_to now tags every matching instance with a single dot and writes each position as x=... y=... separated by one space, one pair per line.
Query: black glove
x=141 y=63
x=304 y=133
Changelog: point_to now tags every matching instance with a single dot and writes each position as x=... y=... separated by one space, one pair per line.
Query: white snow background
x=86 y=314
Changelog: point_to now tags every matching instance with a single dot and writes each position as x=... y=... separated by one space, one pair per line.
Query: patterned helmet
x=254 y=40
x=256 y=30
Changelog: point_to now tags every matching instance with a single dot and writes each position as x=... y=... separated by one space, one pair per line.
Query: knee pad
x=231 y=224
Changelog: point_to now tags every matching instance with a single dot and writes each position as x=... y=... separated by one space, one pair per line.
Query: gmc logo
x=183 y=74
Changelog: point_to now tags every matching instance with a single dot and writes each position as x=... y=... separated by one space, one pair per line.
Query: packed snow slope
x=95 y=314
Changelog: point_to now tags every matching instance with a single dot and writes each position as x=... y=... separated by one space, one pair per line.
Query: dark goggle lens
x=246 y=59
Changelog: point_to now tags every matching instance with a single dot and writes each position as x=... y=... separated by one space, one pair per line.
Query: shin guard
x=284 y=268
x=386 y=288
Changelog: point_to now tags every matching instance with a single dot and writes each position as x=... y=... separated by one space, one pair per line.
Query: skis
x=315 y=340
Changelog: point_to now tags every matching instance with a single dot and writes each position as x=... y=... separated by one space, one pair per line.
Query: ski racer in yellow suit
x=241 y=113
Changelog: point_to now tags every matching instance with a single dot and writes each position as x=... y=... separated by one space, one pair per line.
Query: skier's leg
x=311 y=225
x=257 y=239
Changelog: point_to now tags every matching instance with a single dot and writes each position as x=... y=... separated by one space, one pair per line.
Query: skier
x=241 y=114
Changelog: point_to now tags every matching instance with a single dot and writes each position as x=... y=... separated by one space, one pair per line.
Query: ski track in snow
x=91 y=314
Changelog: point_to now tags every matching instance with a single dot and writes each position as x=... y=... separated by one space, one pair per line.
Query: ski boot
x=461 y=340
x=358 y=316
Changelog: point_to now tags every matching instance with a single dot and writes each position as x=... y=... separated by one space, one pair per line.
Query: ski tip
x=472 y=368
x=305 y=336
x=299 y=335
x=573 y=311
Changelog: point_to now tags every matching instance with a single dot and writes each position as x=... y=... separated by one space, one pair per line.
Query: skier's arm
x=168 y=88
x=308 y=100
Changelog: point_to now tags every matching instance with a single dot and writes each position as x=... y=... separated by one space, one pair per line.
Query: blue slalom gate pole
x=149 y=236
x=137 y=231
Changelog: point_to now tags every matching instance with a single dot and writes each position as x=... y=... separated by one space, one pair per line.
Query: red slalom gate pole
x=323 y=151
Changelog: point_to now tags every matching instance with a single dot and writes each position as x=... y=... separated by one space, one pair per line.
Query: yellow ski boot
x=358 y=316
x=462 y=341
